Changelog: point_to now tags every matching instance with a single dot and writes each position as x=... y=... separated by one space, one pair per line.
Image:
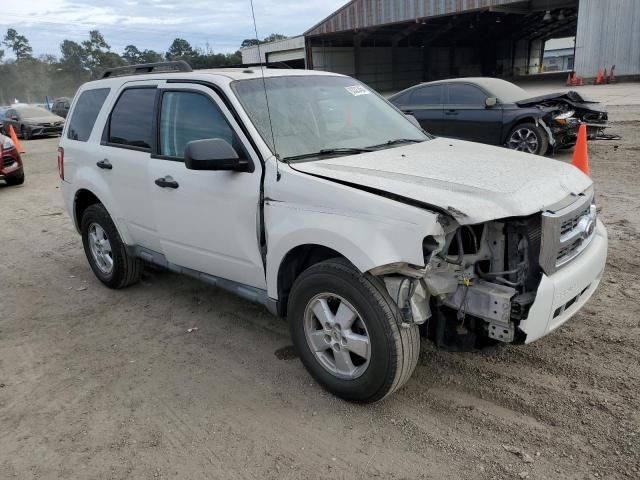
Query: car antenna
x=266 y=96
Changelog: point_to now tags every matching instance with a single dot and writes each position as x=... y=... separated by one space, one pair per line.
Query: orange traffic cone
x=599 y=79
x=569 y=80
x=580 y=153
x=14 y=138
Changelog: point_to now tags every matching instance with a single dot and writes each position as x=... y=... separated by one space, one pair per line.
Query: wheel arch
x=529 y=117
x=296 y=261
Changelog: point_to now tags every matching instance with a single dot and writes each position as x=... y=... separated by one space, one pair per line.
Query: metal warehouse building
x=391 y=44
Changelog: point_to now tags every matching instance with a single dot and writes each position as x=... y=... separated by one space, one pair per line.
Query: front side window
x=310 y=114
x=188 y=116
x=84 y=115
x=131 y=122
x=460 y=94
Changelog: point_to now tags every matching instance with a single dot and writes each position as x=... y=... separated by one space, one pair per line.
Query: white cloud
x=153 y=24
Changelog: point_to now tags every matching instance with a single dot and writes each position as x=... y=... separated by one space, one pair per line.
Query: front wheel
x=26 y=133
x=529 y=138
x=347 y=332
x=15 y=180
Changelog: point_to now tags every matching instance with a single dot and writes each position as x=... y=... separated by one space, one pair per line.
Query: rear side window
x=85 y=114
x=131 y=122
x=427 y=95
x=188 y=116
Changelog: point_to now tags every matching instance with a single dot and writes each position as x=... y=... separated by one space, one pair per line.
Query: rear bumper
x=561 y=295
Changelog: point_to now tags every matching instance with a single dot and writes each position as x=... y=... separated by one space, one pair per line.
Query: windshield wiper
x=397 y=141
x=329 y=151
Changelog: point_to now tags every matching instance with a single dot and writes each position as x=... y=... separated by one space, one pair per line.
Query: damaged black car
x=497 y=112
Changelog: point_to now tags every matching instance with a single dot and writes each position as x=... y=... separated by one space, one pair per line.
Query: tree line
x=29 y=79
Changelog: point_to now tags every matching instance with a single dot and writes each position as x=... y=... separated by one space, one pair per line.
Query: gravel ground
x=96 y=383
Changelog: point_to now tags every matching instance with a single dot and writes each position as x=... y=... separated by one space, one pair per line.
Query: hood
x=45 y=119
x=472 y=182
x=570 y=96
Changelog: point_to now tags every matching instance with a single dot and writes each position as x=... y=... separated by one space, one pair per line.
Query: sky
x=153 y=24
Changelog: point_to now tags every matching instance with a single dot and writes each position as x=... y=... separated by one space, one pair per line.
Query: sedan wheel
x=528 y=138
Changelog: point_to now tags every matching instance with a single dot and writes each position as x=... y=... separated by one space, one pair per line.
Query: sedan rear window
x=85 y=113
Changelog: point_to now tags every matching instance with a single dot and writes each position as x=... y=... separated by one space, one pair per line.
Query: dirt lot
x=96 y=383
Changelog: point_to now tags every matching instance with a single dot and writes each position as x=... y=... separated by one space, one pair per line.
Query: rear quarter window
x=131 y=122
x=85 y=113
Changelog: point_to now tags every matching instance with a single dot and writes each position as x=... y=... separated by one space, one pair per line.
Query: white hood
x=473 y=182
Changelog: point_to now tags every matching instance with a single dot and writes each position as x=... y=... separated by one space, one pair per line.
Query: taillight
x=61 y=162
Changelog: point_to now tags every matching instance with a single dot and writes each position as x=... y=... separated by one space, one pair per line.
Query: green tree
x=18 y=43
x=151 y=56
x=273 y=37
x=250 y=42
x=132 y=55
x=73 y=55
x=180 y=48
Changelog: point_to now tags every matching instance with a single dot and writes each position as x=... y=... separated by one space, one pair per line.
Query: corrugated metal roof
x=370 y=13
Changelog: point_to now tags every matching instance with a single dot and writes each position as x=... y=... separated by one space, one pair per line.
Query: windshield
x=33 y=112
x=315 y=114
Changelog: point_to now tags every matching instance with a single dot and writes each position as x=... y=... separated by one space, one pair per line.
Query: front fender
x=367 y=229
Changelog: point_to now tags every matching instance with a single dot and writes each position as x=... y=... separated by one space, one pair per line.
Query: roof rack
x=281 y=65
x=160 y=67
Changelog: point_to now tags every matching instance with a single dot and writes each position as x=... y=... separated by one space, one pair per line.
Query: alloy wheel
x=523 y=140
x=100 y=248
x=337 y=336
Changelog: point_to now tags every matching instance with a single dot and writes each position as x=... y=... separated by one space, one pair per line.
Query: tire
x=125 y=269
x=392 y=349
x=15 y=180
x=26 y=133
x=528 y=138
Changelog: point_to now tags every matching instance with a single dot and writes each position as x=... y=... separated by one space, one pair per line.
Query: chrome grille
x=567 y=232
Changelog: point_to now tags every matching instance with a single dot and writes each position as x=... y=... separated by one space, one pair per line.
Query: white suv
x=309 y=193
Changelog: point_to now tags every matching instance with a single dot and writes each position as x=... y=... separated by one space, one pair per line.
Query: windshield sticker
x=357 y=90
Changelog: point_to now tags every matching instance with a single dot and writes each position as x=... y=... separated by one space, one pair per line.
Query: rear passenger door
x=123 y=158
x=425 y=104
x=467 y=117
x=207 y=220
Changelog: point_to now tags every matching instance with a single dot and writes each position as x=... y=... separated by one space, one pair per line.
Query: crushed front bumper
x=566 y=291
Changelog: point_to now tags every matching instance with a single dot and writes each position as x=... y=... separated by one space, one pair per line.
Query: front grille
x=566 y=233
x=8 y=161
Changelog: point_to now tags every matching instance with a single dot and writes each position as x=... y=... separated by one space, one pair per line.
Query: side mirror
x=490 y=102
x=413 y=120
x=15 y=117
x=214 y=154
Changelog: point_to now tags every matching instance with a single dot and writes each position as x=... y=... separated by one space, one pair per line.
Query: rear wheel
x=528 y=138
x=105 y=250
x=346 y=330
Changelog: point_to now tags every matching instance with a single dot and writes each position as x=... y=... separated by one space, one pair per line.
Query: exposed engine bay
x=479 y=284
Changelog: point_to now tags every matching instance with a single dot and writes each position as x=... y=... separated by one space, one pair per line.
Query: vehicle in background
x=60 y=106
x=3 y=110
x=497 y=112
x=11 y=170
x=28 y=122
x=330 y=208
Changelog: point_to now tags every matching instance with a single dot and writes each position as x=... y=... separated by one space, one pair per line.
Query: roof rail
x=160 y=67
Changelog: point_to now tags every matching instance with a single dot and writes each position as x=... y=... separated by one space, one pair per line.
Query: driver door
x=206 y=220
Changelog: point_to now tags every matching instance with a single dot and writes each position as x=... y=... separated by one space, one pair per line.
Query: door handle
x=167 y=182
x=451 y=112
x=105 y=164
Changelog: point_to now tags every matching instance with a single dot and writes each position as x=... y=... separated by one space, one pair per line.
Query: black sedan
x=497 y=112
x=28 y=121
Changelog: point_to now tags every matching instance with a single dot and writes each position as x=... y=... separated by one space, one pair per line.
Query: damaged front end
x=478 y=283
x=565 y=112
